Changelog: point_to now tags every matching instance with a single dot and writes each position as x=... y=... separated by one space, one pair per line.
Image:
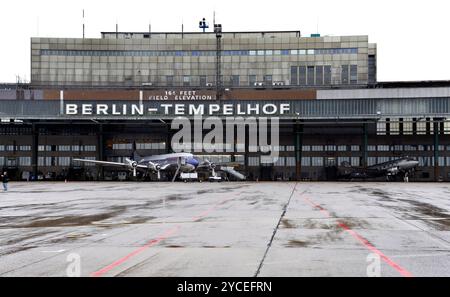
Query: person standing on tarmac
x=5 y=180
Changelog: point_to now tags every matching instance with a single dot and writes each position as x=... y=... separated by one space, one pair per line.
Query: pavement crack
x=285 y=207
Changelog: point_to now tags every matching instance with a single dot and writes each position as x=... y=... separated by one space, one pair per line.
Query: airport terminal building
x=101 y=98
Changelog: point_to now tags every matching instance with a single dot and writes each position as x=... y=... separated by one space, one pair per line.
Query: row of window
x=227 y=146
x=280 y=161
x=330 y=148
x=13 y=148
x=42 y=161
x=67 y=148
x=324 y=161
x=149 y=53
x=410 y=126
x=139 y=146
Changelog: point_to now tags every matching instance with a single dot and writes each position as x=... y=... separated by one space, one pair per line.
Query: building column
x=34 y=149
x=365 y=144
x=298 y=149
x=436 y=150
x=168 y=138
x=100 y=150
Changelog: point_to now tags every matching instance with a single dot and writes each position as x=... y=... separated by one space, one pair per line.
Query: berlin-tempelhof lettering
x=177 y=109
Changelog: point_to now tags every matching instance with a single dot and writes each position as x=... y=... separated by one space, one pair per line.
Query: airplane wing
x=107 y=163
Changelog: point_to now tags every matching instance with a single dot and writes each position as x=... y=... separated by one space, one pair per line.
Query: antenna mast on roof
x=83 y=24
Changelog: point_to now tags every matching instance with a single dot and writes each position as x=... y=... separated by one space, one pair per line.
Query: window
x=317 y=161
x=310 y=75
x=63 y=148
x=235 y=80
x=306 y=161
x=261 y=53
x=251 y=80
x=24 y=161
x=290 y=161
x=344 y=74
x=353 y=74
x=355 y=148
x=281 y=161
x=290 y=148
x=64 y=161
x=421 y=127
x=317 y=148
x=202 y=80
x=407 y=126
x=91 y=148
x=394 y=126
x=186 y=80
x=383 y=148
x=253 y=161
x=319 y=75
x=330 y=148
x=268 y=80
x=310 y=52
x=355 y=161
x=302 y=75
x=306 y=148
x=25 y=148
x=169 y=80
x=327 y=75
x=371 y=148
x=371 y=161
x=342 y=148
x=294 y=75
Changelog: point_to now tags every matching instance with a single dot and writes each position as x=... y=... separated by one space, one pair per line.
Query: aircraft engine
x=393 y=171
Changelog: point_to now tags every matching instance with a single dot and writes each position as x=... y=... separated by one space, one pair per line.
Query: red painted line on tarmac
x=363 y=241
x=153 y=242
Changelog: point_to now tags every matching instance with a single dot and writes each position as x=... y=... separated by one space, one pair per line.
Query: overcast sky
x=413 y=36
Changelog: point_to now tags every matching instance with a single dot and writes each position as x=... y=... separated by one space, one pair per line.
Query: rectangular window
x=290 y=161
x=235 y=81
x=317 y=148
x=294 y=75
x=327 y=75
x=342 y=148
x=317 y=161
x=355 y=161
x=186 y=80
x=64 y=161
x=268 y=80
x=251 y=80
x=355 y=148
x=319 y=75
x=306 y=148
x=169 y=80
x=353 y=74
x=310 y=75
x=302 y=75
x=202 y=80
x=24 y=161
x=306 y=161
x=344 y=74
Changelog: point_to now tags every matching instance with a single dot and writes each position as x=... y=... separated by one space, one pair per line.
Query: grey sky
x=412 y=36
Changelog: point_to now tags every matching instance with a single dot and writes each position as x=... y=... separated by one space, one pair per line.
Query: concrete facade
x=189 y=59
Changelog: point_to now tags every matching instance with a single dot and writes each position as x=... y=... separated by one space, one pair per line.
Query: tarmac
x=225 y=229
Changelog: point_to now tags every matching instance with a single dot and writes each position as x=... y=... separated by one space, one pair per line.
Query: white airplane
x=174 y=162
